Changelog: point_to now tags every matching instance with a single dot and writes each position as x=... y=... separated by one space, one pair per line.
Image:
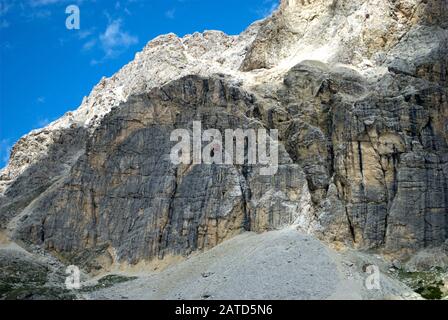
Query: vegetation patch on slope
x=429 y=284
x=24 y=279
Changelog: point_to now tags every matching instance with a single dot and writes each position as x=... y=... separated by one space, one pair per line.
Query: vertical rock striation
x=357 y=90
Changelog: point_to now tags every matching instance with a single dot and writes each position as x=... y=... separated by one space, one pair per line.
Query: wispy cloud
x=6 y=46
x=83 y=34
x=43 y=122
x=170 y=14
x=38 y=14
x=32 y=9
x=89 y=45
x=4 y=24
x=114 y=40
x=5 y=6
x=42 y=3
x=267 y=8
x=40 y=100
x=5 y=150
x=122 y=6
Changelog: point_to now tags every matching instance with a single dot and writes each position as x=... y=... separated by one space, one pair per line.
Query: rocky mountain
x=356 y=89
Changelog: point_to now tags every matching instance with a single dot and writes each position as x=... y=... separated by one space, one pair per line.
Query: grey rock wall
x=356 y=89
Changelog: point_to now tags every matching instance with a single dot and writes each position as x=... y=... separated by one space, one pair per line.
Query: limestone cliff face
x=358 y=92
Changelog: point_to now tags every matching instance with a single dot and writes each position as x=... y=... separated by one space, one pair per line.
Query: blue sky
x=46 y=69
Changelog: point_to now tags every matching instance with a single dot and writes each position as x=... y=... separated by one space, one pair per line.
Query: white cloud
x=114 y=40
x=170 y=14
x=82 y=34
x=89 y=45
x=42 y=123
x=6 y=46
x=39 y=14
x=4 y=24
x=25 y=5
x=41 y=3
x=267 y=8
x=40 y=100
x=5 y=150
x=4 y=7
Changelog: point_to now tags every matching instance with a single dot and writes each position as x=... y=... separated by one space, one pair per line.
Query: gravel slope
x=275 y=265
